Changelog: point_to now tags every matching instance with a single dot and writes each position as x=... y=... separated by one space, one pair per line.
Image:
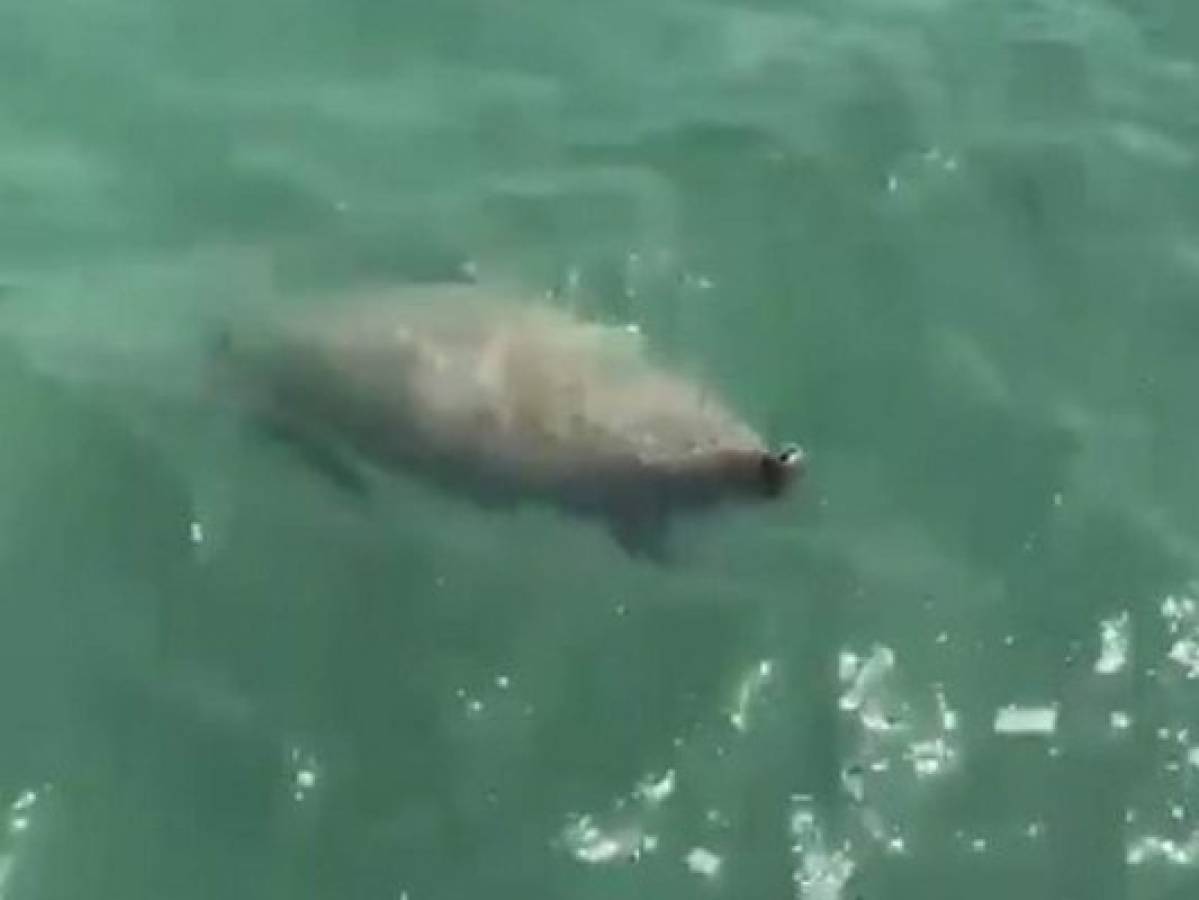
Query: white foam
x=590 y=844
x=703 y=862
x=821 y=872
x=749 y=690
x=1153 y=848
x=1185 y=652
x=949 y=716
x=656 y=791
x=931 y=757
x=853 y=779
x=1113 y=644
x=1035 y=720
x=865 y=678
x=25 y=801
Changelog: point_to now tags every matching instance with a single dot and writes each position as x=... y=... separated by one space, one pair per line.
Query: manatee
x=504 y=401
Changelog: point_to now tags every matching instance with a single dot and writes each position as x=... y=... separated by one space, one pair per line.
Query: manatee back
x=521 y=389
x=589 y=393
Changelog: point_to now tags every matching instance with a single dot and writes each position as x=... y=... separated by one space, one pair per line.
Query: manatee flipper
x=642 y=533
x=318 y=453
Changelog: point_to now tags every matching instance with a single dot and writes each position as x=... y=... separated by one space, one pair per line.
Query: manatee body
x=504 y=401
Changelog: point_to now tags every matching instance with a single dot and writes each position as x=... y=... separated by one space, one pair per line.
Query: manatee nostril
x=792 y=456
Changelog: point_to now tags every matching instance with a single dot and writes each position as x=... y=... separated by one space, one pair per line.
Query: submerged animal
x=503 y=401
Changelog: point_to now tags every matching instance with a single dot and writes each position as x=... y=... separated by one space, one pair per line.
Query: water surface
x=952 y=247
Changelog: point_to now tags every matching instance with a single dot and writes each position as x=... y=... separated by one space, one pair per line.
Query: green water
x=951 y=246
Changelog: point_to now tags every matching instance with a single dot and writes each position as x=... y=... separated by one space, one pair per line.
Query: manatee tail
x=145 y=330
x=145 y=341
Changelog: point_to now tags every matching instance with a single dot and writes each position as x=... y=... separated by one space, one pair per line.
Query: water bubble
x=21 y=811
x=305 y=773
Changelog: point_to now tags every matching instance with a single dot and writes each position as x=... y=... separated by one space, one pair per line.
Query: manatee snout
x=782 y=467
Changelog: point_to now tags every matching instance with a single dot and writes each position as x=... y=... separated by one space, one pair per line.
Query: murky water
x=951 y=247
